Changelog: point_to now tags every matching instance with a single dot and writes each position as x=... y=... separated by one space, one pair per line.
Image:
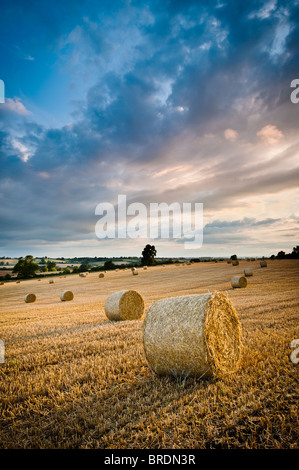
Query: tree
x=148 y=255
x=26 y=267
x=233 y=257
x=281 y=255
x=83 y=267
x=51 y=265
x=109 y=264
x=295 y=252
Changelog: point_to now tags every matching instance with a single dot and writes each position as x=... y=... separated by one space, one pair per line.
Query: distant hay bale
x=18 y=282
x=193 y=335
x=82 y=274
x=135 y=272
x=101 y=275
x=29 y=298
x=51 y=281
x=248 y=272
x=145 y=267
x=263 y=264
x=2 y=283
x=235 y=262
x=39 y=279
x=229 y=261
x=124 y=305
x=239 y=281
x=66 y=295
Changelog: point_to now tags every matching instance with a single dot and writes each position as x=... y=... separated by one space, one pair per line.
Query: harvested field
x=74 y=379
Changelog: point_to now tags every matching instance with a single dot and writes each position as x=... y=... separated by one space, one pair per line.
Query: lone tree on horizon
x=26 y=267
x=148 y=255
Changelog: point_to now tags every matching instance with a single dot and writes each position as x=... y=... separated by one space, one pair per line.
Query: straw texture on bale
x=30 y=298
x=235 y=262
x=194 y=335
x=124 y=305
x=66 y=295
x=248 y=272
x=101 y=275
x=263 y=264
x=239 y=281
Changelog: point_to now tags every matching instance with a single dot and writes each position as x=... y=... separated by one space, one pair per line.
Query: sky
x=173 y=101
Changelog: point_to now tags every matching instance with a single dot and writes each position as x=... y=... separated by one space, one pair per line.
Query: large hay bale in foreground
x=66 y=295
x=235 y=262
x=239 y=281
x=101 y=275
x=196 y=335
x=248 y=272
x=29 y=298
x=124 y=305
x=263 y=264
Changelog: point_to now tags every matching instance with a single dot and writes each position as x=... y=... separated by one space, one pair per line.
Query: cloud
x=230 y=134
x=15 y=106
x=164 y=89
x=270 y=135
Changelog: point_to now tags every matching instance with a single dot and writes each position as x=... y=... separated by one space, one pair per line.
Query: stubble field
x=73 y=379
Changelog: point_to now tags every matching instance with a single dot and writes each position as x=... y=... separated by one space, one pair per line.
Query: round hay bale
x=82 y=274
x=124 y=305
x=39 y=279
x=235 y=262
x=135 y=273
x=228 y=261
x=51 y=281
x=101 y=275
x=66 y=295
x=18 y=282
x=145 y=267
x=248 y=272
x=263 y=264
x=2 y=283
x=193 y=335
x=29 y=298
x=239 y=281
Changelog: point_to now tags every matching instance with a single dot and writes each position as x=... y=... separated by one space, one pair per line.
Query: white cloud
x=270 y=135
x=231 y=134
x=16 y=106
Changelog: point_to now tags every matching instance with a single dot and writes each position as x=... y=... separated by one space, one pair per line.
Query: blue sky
x=173 y=101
